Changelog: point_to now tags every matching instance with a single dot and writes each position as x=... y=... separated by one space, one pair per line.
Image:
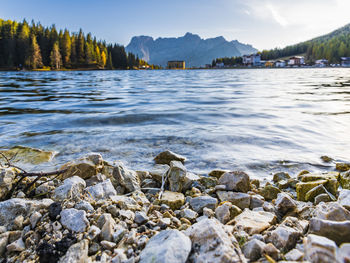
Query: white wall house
x=280 y=64
x=296 y=61
x=252 y=60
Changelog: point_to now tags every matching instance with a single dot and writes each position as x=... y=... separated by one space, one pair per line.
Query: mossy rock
x=208 y=181
x=344 y=180
x=303 y=187
x=342 y=167
x=317 y=190
x=23 y=154
x=270 y=192
x=280 y=176
x=319 y=176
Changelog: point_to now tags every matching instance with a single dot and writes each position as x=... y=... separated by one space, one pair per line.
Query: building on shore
x=296 y=61
x=321 y=62
x=252 y=60
x=345 y=61
x=280 y=63
x=269 y=64
x=180 y=64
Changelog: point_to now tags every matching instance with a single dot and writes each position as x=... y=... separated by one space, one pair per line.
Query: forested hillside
x=33 y=46
x=331 y=47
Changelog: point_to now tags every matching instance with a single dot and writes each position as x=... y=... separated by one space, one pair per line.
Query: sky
x=264 y=24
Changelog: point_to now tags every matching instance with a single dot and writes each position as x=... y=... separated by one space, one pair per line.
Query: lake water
x=258 y=120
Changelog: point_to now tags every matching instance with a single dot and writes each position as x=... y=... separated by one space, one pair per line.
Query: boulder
x=167 y=246
x=339 y=232
x=102 y=190
x=167 y=156
x=70 y=189
x=7 y=176
x=14 y=207
x=241 y=200
x=126 y=178
x=211 y=242
x=319 y=249
x=84 y=167
x=344 y=198
x=176 y=176
x=198 y=203
x=331 y=211
x=226 y=211
x=254 y=222
x=253 y=249
x=74 y=220
x=77 y=253
x=270 y=192
x=235 y=181
x=284 y=203
x=173 y=199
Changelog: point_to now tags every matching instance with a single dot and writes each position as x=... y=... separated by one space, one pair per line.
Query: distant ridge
x=190 y=48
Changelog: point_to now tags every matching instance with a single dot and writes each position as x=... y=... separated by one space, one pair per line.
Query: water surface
x=259 y=120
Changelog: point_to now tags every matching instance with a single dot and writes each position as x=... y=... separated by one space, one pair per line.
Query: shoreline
x=94 y=210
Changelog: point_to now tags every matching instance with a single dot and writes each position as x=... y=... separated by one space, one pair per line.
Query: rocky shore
x=95 y=211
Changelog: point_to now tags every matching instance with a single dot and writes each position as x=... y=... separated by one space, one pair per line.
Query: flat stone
x=336 y=231
x=167 y=246
x=14 y=207
x=70 y=189
x=167 y=156
x=102 y=190
x=235 y=181
x=331 y=211
x=212 y=242
x=285 y=203
x=344 y=198
x=77 y=253
x=253 y=249
x=241 y=200
x=126 y=178
x=173 y=199
x=176 y=176
x=74 y=220
x=309 y=177
x=254 y=222
x=317 y=190
x=198 y=203
x=159 y=172
x=84 y=167
x=319 y=249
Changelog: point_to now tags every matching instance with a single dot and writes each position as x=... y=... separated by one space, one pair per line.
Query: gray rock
x=198 y=203
x=74 y=220
x=16 y=246
x=70 y=189
x=322 y=198
x=284 y=237
x=343 y=253
x=296 y=223
x=254 y=222
x=108 y=245
x=319 y=249
x=176 y=176
x=294 y=255
x=212 y=243
x=7 y=176
x=227 y=211
x=108 y=229
x=14 y=207
x=167 y=246
x=102 y=190
x=84 y=205
x=189 y=179
x=188 y=214
x=77 y=253
x=140 y=218
x=93 y=232
x=256 y=201
x=336 y=231
x=159 y=172
x=284 y=203
x=241 y=200
x=167 y=156
x=253 y=249
x=344 y=198
x=331 y=211
x=127 y=178
x=235 y=181
x=34 y=218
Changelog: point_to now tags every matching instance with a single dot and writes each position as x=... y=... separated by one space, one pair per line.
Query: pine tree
x=66 y=49
x=34 y=59
x=55 y=57
x=81 y=48
x=109 y=61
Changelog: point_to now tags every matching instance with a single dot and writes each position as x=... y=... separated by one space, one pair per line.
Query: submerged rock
x=23 y=154
x=212 y=243
x=167 y=246
x=167 y=156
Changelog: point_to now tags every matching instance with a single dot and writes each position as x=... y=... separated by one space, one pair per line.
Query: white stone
x=319 y=249
x=70 y=189
x=34 y=218
x=102 y=190
x=126 y=177
x=170 y=246
x=254 y=222
x=84 y=205
x=77 y=253
x=74 y=220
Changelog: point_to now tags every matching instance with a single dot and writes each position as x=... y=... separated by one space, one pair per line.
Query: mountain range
x=191 y=48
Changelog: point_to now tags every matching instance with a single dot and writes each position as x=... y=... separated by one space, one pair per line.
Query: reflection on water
x=257 y=120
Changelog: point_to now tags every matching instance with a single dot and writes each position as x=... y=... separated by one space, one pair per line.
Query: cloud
x=276 y=15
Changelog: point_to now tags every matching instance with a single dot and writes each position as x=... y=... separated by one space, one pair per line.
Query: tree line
x=228 y=61
x=24 y=46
